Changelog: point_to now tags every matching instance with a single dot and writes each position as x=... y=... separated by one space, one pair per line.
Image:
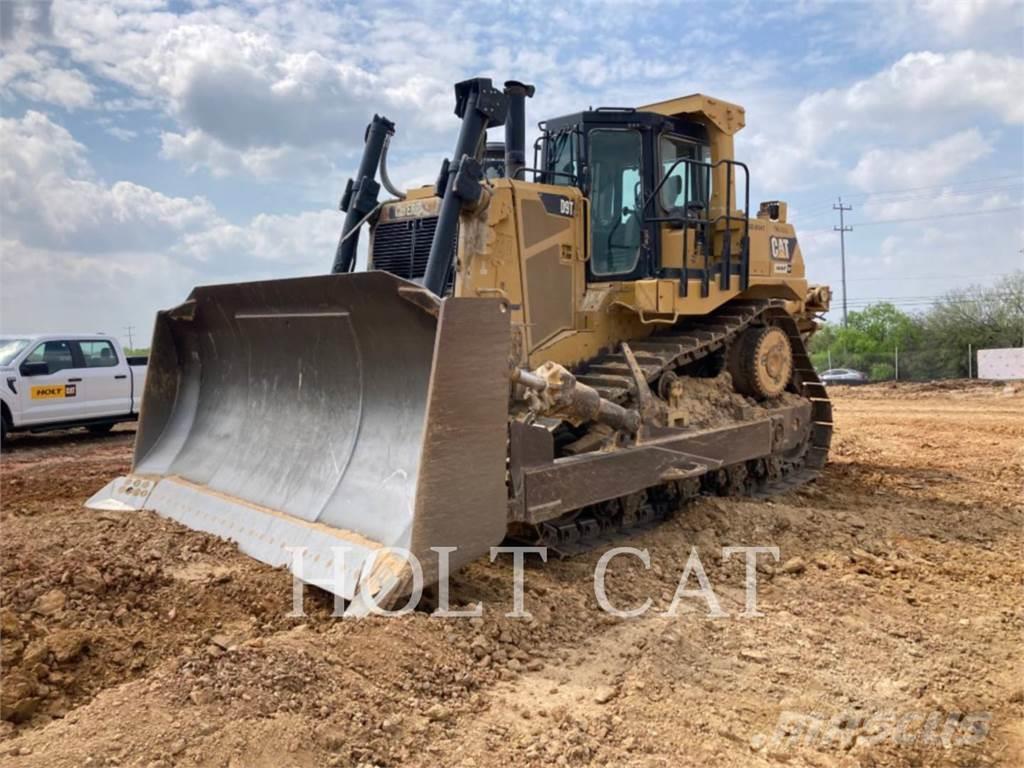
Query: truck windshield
x=9 y=349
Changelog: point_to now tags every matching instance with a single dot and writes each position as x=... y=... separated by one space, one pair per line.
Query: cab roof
x=695 y=109
x=726 y=116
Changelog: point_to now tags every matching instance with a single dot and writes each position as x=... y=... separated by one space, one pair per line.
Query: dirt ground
x=892 y=632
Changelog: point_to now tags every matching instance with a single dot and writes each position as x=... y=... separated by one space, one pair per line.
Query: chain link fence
x=915 y=364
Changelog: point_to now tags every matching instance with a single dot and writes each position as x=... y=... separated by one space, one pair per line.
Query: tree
x=932 y=344
x=975 y=318
x=868 y=342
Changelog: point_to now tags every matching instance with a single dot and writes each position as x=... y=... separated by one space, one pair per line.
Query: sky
x=148 y=147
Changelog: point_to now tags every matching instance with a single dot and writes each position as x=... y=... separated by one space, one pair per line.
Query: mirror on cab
x=34 y=369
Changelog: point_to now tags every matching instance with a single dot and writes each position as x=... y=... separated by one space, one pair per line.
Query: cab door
x=57 y=395
x=106 y=378
x=620 y=237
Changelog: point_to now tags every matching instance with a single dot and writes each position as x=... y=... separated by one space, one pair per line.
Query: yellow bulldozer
x=519 y=359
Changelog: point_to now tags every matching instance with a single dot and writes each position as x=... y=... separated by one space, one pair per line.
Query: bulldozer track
x=611 y=376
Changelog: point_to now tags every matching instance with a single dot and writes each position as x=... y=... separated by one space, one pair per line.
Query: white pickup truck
x=62 y=380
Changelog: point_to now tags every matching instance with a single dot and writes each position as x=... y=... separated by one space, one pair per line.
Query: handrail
x=545 y=138
x=725 y=267
x=535 y=171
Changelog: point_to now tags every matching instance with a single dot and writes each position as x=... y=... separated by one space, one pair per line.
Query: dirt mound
x=914 y=390
x=713 y=402
x=128 y=640
x=92 y=599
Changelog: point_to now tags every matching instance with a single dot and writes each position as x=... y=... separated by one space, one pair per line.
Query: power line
x=843 y=229
x=878 y=222
x=913 y=193
x=999 y=293
x=964 y=183
x=946 y=185
x=928 y=277
x=951 y=189
x=922 y=301
x=953 y=215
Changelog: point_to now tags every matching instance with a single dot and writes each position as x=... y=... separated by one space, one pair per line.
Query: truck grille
x=402 y=247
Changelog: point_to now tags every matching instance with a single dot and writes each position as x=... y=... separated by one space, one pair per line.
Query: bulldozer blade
x=356 y=416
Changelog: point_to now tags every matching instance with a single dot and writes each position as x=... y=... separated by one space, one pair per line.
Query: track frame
x=566 y=501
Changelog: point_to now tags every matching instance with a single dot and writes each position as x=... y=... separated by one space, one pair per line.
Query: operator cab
x=639 y=170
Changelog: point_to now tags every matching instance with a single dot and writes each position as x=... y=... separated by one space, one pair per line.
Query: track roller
x=760 y=362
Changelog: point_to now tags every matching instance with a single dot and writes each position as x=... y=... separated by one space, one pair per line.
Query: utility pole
x=842 y=229
x=131 y=340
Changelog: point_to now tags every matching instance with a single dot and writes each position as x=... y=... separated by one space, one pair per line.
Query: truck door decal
x=54 y=391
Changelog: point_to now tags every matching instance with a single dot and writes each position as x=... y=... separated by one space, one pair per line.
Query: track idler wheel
x=760 y=362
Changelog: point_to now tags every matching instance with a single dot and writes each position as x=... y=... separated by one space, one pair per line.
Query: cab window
x=56 y=354
x=562 y=158
x=98 y=354
x=615 y=199
x=688 y=182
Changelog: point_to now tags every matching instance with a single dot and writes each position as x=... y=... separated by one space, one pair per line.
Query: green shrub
x=882 y=372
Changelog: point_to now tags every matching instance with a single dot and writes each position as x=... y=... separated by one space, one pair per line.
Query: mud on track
x=128 y=640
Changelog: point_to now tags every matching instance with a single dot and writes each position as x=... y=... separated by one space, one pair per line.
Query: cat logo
x=783 y=248
x=54 y=391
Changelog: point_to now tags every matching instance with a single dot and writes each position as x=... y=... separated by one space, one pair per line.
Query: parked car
x=844 y=376
x=56 y=381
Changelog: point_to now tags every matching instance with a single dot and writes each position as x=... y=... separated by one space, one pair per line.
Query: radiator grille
x=402 y=247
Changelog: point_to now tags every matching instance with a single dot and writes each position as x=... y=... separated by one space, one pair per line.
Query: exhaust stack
x=515 y=126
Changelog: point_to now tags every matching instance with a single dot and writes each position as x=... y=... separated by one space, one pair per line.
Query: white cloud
x=243 y=89
x=880 y=169
x=81 y=253
x=121 y=134
x=39 y=78
x=37 y=149
x=265 y=90
x=64 y=87
x=964 y=19
x=52 y=200
x=293 y=245
x=917 y=86
x=939 y=202
x=901 y=105
x=197 y=150
x=47 y=290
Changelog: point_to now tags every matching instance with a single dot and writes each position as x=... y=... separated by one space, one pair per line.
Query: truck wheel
x=5 y=425
x=100 y=429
